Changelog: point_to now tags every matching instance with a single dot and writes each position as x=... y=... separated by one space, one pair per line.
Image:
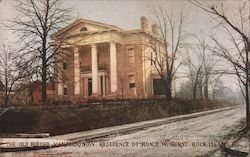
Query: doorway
x=89 y=86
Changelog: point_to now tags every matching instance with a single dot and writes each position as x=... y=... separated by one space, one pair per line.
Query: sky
x=126 y=14
x=122 y=13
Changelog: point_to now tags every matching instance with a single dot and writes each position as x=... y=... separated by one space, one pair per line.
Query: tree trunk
x=44 y=93
x=6 y=102
x=44 y=78
x=247 y=86
x=44 y=67
x=168 y=88
x=201 y=93
x=168 y=94
x=247 y=104
x=213 y=94
x=195 y=90
x=195 y=85
x=206 y=89
x=194 y=93
x=6 y=91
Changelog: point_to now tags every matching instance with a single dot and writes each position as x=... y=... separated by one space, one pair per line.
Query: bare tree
x=203 y=67
x=9 y=71
x=217 y=87
x=238 y=33
x=37 y=21
x=209 y=63
x=195 y=71
x=184 y=91
x=164 y=55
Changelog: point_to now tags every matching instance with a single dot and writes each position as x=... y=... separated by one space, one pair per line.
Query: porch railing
x=87 y=68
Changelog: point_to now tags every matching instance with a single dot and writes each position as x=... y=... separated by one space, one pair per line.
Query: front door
x=102 y=85
x=89 y=86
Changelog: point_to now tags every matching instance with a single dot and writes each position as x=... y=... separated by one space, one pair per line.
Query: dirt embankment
x=63 y=119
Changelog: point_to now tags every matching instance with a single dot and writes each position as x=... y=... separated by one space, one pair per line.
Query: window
x=158 y=87
x=131 y=81
x=65 y=91
x=131 y=56
x=64 y=65
x=83 y=29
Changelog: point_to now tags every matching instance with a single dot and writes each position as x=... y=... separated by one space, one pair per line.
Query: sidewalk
x=21 y=144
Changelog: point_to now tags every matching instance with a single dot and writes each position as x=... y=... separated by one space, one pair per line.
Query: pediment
x=83 y=25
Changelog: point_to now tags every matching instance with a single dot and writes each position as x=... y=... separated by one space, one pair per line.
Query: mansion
x=104 y=61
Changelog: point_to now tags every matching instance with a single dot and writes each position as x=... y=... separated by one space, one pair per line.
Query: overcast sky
x=122 y=13
x=125 y=13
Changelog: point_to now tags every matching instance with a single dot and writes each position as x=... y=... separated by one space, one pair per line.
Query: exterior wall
x=85 y=56
x=147 y=70
x=31 y=94
x=141 y=69
x=65 y=76
x=103 y=55
x=69 y=73
x=125 y=69
x=37 y=92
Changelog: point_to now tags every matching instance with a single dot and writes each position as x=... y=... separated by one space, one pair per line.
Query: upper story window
x=131 y=56
x=83 y=29
x=131 y=81
x=64 y=65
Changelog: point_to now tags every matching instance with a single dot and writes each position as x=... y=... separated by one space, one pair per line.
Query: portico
x=95 y=69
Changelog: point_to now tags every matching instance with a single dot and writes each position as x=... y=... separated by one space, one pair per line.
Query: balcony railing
x=86 y=68
x=103 y=66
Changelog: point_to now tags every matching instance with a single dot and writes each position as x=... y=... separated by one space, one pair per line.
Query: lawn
x=63 y=119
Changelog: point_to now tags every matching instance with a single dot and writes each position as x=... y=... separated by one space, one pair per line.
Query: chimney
x=155 y=29
x=144 y=23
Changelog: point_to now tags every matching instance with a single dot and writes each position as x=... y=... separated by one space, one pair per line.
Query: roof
x=37 y=84
x=107 y=28
x=81 y=20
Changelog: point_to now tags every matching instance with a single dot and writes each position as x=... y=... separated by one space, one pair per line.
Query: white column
x=99 y=85
x=77 y=75
x=60 y=88
x=60 y=75
x=113 y=67
x=94 y=69
x=104 y=85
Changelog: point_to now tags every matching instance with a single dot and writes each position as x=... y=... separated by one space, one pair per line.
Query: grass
x=61 y=120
